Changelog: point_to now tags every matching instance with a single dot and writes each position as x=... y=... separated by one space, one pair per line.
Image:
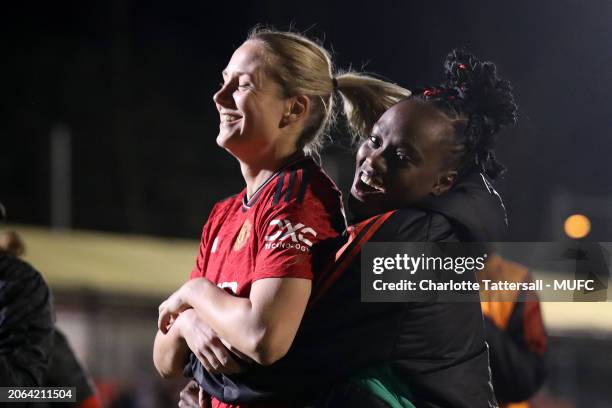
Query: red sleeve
x=197 y=272
x=294 y=236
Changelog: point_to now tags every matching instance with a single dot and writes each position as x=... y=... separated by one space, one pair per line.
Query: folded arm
x=261 y=326
x=170 y=350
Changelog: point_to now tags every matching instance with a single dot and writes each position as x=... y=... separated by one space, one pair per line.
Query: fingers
x=192 y=388
x=209 y=360
x=189 y=403
x=162 y=321
x=189 y=396
x=216 y=360
x=168 y=310
x=228 y=363
x=165 y=320
x=210 y=350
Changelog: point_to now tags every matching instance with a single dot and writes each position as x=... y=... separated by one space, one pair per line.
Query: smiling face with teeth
x=251 y=107
x=404 y=160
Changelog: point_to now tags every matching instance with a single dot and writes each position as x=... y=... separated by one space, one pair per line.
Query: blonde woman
x=261 y=249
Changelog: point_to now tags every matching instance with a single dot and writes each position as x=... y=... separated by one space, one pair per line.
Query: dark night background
x=132 y=81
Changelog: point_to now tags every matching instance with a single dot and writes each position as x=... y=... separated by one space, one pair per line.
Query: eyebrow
x=412 y=151
x=254 y=77
x=224 y=72
x=377 y=129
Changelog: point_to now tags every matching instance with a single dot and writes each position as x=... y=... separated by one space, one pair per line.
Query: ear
x=297 y=108
x=444 y=182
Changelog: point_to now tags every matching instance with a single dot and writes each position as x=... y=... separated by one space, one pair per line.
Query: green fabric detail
x=380 y=381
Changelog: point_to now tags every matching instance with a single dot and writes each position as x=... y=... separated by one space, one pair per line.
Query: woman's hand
x=261 y=326
x=178 y=302
x=170 y=308
x=206 y=345
x=192 y=396
x=189 y=396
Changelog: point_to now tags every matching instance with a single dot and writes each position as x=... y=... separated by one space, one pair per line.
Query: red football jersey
x=285 y=229
x=289 y=228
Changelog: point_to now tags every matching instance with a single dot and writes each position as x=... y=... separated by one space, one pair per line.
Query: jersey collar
x=248 y=202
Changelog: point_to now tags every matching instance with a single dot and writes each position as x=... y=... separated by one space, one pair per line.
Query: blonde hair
x=303 y=67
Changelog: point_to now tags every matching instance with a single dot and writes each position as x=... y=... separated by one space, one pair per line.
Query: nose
x=223 y=96
x=375 y=164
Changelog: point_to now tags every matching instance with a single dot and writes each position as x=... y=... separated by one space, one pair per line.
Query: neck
x=256 y=173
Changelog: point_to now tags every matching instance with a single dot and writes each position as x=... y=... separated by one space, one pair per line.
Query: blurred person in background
x=66 y=371
x=26 y=317
x=41 y=355
x=515 y=333
x=262 y=249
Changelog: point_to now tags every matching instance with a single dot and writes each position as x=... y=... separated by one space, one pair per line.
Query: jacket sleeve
x=26 y=324
x=66 y=371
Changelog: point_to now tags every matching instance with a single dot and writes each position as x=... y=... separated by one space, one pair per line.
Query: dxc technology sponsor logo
x=288 y=235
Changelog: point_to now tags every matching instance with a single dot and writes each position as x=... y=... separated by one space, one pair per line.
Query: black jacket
x=66 y=371
x=26 y=324
x=438 y=349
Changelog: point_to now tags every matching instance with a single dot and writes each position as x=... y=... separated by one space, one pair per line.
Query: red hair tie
x=431 y=92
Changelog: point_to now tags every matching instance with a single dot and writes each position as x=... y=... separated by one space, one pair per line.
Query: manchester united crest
x=243 y=235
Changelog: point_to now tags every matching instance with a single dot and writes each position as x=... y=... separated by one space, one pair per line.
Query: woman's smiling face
x=404 y=159
x=250 y=103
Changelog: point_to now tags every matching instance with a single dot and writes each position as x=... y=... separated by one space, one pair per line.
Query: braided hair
x=479 y=103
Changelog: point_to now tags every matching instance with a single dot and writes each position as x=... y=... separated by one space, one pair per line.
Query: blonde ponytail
x=303 y=67
x=366 y=98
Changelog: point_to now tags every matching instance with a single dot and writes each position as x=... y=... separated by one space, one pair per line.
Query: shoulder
x=22 y=288
x=303 y=183
x=303 y=191
x=473 y=207
x=15 y=269
x=218 y=213
x=223 y=205
x=321 y=186
x=416 y=225
x=225 y=202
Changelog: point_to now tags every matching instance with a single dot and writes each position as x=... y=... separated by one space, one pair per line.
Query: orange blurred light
x=577 y=226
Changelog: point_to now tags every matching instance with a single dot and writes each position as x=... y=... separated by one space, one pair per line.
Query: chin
x=224 y=140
